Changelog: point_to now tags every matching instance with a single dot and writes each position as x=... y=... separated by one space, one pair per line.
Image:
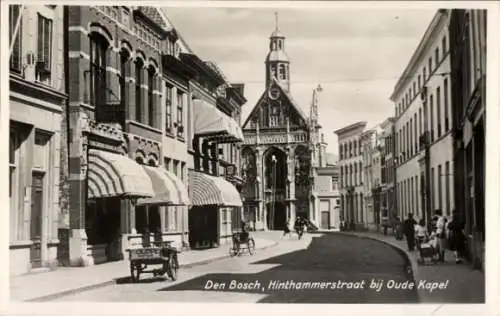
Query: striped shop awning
x=168 y=188
x=209 y=190
x=209 y=121
x=114 y=175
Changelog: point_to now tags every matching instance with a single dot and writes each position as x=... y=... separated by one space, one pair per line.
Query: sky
x=357 y=55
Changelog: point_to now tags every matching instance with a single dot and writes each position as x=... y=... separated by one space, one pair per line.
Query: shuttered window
x=14 y=18
x=44 y=51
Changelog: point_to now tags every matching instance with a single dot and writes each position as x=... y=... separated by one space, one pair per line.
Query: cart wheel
x=251 y=246
x=172 y=266
x=135 y=271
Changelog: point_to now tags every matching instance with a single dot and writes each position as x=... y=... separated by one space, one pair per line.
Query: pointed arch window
x=124 y=72
x=151 y=96
x=139 y=77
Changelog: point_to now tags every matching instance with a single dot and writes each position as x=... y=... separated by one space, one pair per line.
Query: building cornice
x=351 y=127
x=419 y=53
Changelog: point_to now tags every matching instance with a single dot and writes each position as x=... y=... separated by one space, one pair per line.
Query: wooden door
x=37 y=191
x=325 y=220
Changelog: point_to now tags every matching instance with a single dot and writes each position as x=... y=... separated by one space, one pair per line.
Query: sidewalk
x=68 y=280
x=465 y=284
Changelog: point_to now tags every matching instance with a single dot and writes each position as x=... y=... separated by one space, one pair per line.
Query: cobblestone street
x=316 y=258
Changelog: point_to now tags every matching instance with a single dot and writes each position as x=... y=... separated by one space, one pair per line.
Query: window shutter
x=48 y=41
x=41 y=34
x=15 y=58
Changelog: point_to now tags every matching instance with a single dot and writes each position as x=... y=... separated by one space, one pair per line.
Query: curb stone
x=114 y=281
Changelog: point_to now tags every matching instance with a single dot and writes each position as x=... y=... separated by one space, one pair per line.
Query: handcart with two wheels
x=161 y=254
x=242 y=241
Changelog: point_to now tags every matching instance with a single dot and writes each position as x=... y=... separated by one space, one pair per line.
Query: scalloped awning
x=205 y=189
x=114 y=175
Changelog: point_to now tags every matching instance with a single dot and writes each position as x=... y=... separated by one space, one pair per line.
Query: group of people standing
x=446 y=234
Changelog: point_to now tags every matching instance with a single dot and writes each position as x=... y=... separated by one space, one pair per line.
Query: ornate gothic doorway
x=275 y=171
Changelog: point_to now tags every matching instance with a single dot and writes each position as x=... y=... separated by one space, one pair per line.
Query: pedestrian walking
x=287 y=230
x=456 y=238
x=398 y=228
x=342 y=224
x=409 y=231
x=440 y=233
x=299 y=226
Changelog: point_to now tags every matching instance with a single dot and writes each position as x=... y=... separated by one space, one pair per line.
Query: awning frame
x=228 y=129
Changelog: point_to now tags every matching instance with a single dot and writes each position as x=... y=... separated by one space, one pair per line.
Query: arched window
x=124 y=72
x=361 y=207
x=350 y=175
x=282 y=71
x=139 y=78
x=151 y=97
x=98 y=49
x=341 y=174
x=360 y=173
x=274 y=71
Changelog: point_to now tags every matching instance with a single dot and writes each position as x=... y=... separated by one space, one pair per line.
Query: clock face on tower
x=274 y=93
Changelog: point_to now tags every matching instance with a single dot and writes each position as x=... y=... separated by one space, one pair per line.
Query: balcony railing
x=295 y=137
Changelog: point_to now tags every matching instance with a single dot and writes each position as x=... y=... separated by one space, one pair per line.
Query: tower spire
x=276 y=20
x=277 y=61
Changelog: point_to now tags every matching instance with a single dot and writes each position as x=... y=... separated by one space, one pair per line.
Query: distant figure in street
x=409 y=231
x=421 y=231
x=299 y=226
x=244 y=232
x=440 y=233
x=287 y=230
x=342 y=224
x=386 y=226
x=352 y=225
x=456 y=237
x=398 y=228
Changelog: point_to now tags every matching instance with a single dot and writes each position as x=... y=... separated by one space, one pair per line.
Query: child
x=421 y=231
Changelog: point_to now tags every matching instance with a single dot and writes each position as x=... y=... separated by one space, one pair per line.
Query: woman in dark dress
x=456 y=237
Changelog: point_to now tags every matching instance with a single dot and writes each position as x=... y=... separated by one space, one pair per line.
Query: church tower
x=279 y=157
x=277 y=61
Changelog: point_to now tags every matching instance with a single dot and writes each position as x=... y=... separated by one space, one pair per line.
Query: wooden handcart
x=242 y=241
x=159 y=254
